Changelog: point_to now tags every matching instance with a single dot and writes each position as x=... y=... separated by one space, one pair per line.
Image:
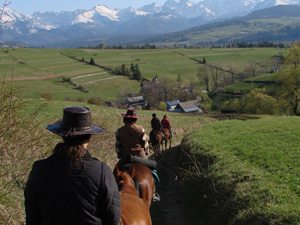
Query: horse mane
x=124 y=181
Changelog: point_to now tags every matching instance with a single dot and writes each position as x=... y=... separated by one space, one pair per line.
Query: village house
x=136 y=101
x=172 y=105
x=188 y=107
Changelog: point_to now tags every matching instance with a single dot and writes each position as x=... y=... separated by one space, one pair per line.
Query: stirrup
x=156 y=197
x=155 y=176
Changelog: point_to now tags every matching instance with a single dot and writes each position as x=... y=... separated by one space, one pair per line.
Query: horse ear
x=116 y=171
x=132 y=171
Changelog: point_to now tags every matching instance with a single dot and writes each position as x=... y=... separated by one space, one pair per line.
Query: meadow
x=28 y=140
x=249 y=170
x=42 y=71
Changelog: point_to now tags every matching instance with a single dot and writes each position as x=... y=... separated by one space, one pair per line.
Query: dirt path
x=169 y=211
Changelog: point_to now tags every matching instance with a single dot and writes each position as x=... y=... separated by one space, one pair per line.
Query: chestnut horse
x=167 y=138
x=133 y=208
x=156 y=140
x=143 y=175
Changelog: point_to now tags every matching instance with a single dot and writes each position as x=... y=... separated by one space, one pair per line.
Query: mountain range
x=129 y=25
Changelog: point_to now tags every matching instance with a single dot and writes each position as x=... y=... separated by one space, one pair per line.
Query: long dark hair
x=71 y=151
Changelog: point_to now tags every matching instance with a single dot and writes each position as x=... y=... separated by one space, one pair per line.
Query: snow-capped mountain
x=42 y=28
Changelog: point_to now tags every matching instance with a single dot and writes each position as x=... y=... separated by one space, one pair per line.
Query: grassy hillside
x=264 y=81
x=24 y=139
x=247 y=172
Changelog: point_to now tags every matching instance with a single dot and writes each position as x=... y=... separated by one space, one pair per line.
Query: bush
x=21 y=144
x=96 y=101
x=92 y=61
x=80 y=99
x=162 y=106
x=256 y=102
x=47 y=96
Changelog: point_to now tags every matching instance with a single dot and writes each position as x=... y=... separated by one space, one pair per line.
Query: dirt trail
x=169 y=210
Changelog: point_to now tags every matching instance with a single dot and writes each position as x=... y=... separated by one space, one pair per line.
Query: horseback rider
x=131 y=138
x=132 y=144
x=156 y=125
x=71 y=186
x=166 y=124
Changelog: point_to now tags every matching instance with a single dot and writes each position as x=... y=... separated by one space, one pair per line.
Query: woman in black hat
x=72 y=187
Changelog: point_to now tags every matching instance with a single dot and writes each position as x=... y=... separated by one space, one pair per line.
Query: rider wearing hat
x=71 y=186
x=131 y=138
x=132 y=145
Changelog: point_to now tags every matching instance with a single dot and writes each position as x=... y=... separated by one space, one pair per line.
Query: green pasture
x=237 y=57
x=253 y=166
x=164 y=62
x=264 y=81
x=40 y=71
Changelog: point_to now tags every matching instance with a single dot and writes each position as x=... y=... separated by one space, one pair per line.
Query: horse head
x=123 y=179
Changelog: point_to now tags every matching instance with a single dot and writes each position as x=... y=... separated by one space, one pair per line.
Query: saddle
x=127 y=159
x=152 y=135
x=152 y=164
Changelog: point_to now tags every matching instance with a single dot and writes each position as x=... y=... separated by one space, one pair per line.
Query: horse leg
x=166 y=144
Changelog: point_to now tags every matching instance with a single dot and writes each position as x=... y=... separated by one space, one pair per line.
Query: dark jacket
x=63 y=196
x=155 y=124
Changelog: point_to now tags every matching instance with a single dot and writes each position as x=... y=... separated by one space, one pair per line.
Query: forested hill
x=275 y=12
x=278 y=24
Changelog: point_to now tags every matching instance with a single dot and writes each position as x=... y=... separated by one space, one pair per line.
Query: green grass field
x=253 y=166
x=38 y=71
x=264 y=81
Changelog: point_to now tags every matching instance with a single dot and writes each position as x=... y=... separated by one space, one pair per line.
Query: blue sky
x=31 y=6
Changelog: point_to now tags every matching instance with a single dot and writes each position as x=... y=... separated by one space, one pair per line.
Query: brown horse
x=143 y=175
x=167 y=138
x=156 y=140
x=134 y=210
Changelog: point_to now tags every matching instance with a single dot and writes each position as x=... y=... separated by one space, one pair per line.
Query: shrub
x=162 y=106
x=21 y=144
x=80 y=99
x=257 y=102
x=96 y=101
x=92 y=61
x=47 y=96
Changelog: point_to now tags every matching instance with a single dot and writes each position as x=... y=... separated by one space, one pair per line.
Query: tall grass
x=20 y=145
x=250 y=168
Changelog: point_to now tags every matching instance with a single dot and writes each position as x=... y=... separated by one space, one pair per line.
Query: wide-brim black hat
x=76 y=121
x=131 y=113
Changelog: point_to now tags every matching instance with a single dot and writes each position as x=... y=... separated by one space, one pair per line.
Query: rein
x=168 y=170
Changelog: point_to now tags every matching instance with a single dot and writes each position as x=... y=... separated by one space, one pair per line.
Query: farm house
x=188 y=107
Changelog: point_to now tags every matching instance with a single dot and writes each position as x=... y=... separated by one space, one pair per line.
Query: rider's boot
x=163 y=136
x=156 y=197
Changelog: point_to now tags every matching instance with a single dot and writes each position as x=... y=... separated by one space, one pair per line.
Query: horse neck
x=128 y=189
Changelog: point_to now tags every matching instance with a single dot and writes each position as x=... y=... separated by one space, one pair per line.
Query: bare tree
x=164 y=89
x=231 y=70
x=203 y=76
x=216 y=72
x=5 y=4
x=252 y=69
